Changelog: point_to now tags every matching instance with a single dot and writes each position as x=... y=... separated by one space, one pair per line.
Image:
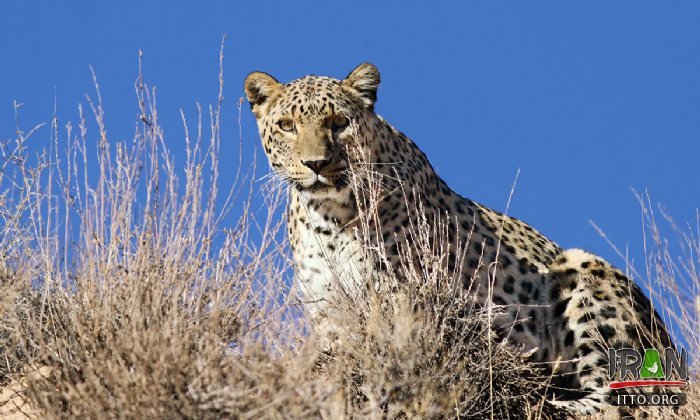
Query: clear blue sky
x=587 y=99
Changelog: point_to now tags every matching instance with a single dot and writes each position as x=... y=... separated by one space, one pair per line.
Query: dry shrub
x=133 y=308
x=124 y=296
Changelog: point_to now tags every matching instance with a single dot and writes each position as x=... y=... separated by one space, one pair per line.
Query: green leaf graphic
x=651 y=367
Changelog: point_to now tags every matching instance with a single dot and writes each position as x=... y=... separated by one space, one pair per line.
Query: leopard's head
x=309 y=125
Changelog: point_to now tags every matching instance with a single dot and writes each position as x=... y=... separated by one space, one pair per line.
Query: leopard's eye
x=340 y=122
x=286 y=125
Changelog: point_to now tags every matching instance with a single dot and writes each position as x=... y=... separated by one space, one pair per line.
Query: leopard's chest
x=327 y=254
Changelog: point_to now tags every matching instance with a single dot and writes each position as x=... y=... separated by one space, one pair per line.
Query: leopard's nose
x=316 y=165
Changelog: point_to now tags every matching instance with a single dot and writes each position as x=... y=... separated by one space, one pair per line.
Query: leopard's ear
x=259 y=88
x=365 y=81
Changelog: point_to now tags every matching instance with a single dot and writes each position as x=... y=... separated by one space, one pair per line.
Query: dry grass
x=124 y=296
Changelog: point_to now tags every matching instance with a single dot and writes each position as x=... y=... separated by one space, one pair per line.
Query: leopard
x=562 y=308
